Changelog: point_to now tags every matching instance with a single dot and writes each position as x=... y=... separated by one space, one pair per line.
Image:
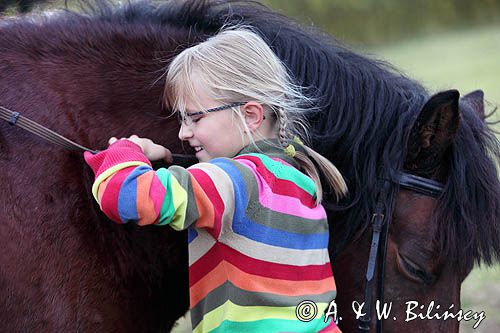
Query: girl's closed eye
x=188 y=120
x=196 y=119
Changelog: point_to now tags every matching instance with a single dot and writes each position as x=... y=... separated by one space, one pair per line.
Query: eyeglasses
x=187 y=119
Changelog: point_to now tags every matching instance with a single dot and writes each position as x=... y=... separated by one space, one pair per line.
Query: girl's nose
x=185 y=132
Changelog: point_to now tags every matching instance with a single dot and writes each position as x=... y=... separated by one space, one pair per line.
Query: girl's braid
x=282 y=127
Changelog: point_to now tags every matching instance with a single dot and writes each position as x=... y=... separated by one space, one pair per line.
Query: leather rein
x=16 y=119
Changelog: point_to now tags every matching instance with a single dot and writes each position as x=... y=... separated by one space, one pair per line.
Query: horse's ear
x=432 y=133
x=476 y=100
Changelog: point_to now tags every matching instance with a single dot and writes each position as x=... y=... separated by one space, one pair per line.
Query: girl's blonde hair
x=236 y=65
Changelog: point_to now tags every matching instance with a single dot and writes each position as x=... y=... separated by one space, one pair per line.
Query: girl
x=258 y=235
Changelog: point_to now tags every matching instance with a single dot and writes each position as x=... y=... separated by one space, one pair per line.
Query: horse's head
x=414 y=265
x=421 y=260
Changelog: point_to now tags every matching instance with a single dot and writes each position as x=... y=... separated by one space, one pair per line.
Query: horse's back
x=64 y=267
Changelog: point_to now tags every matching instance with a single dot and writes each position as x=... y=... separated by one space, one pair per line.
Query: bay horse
x=91 y=75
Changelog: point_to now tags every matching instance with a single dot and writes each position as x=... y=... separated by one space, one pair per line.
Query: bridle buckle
x=377 y=221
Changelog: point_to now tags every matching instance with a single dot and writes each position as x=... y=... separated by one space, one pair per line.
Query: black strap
x=377 y=221
x=418 y=184
x=380 y=222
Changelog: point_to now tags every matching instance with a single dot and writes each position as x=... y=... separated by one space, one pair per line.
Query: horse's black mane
x=368 y=109
x=360 y=99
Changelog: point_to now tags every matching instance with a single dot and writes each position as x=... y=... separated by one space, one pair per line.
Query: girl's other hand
x=152 y=150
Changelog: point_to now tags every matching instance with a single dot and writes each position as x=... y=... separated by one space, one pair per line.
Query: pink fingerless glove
x=119 y=152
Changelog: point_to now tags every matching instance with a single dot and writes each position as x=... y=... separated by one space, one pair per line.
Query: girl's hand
x=152 y=150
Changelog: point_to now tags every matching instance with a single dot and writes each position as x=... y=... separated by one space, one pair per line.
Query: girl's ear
x=253 y=113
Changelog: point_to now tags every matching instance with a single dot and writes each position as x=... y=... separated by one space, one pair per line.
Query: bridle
x=380 y=221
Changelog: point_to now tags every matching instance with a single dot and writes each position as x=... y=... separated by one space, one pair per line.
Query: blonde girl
x=258 y=235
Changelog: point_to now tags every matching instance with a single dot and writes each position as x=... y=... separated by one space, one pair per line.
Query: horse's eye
x=413 y=271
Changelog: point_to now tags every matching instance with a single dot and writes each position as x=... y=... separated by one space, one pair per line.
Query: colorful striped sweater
x=258 y=243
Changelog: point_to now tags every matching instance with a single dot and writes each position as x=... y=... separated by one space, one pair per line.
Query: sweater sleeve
x=129 y=190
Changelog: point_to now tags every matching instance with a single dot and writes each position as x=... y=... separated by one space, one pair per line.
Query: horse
x=66 y=267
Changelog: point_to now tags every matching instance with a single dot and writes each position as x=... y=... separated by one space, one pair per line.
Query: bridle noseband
x=380 y=221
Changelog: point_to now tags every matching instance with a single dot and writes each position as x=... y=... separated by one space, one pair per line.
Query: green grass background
x=465 y=60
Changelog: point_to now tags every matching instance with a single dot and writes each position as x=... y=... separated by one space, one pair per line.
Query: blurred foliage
x=22 y=6
x=367 y=22
x=466 y=60
x=372 y=22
